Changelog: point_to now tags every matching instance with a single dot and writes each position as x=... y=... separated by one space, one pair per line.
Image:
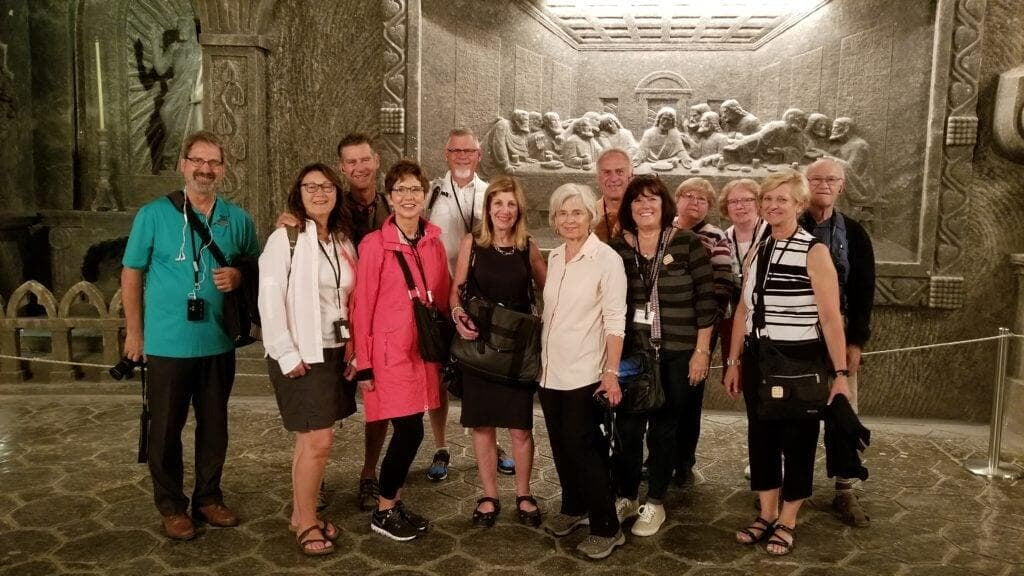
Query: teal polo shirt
x=157 y=239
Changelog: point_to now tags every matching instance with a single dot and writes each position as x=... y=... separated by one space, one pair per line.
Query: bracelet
x=610 y=371
x=457 y=309
x=699 y=351
x=841 y=372
x=731 y=362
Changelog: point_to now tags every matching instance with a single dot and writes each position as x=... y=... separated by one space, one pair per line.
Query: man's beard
x=461 y=173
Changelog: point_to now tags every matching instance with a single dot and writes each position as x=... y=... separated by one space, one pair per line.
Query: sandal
x=305 y=544
x=486 y=519
x=330 y=531
x=758 y=531
x=528 y=517
x=778 y=540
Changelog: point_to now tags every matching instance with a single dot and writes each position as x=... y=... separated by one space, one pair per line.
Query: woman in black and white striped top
x=801 y=292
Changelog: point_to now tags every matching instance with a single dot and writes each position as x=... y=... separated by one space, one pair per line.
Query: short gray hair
x=566 y=192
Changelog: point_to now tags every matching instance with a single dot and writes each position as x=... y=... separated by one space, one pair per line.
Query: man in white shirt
x=456 y=206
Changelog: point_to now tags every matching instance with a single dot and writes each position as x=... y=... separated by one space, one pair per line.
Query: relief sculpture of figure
x=536 y=121
x=613 y=135
x=779 y=141
x=693 y=124
x=663 y=141
x=506 y=141
x=181 y=63
x=737 y=122
x=8 y=99
x=582 y=147
x=709 y=140
x=853 y=153
x=545 y=144
x=816 y=136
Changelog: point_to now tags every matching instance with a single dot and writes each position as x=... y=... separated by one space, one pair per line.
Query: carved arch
x=662 y=88
x=116 y=305
x=46 y=299
x=89 y=292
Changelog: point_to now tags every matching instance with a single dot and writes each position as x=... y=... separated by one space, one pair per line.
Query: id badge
x=643 y=315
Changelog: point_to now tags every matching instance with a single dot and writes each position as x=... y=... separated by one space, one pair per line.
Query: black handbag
x=434 y=330
x=790 y=387
x=507 y=349
x=794 y=382
x=640 y=372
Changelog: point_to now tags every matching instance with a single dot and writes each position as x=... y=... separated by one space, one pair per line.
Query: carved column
x=400 y=94
x=1014 y=437
x=235 y=98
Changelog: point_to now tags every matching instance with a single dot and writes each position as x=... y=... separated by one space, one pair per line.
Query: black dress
x=502 y=278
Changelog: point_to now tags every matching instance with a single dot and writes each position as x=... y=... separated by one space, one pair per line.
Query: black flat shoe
x=486 y=519
x=528 y=517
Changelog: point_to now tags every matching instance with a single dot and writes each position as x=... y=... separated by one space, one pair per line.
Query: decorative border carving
x=393 y=90
x=958 y=154
x=230 y=121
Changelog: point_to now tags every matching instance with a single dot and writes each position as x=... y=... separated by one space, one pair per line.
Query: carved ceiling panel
x=669 y=24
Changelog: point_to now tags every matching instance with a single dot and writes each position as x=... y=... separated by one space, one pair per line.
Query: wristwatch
x=610 y=371
x=731 y=362
x=842 y=372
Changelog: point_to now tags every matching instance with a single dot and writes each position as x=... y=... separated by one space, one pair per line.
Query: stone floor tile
x=32 y=568
x=105 y=550
x=56 y=510
x=22 y=545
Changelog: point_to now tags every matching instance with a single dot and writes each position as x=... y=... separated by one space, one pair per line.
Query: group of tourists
x=398 y=295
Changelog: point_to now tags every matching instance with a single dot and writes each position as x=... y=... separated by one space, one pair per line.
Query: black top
x=499 y=277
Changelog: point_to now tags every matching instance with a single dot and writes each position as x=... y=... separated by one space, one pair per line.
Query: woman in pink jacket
x=397 y=384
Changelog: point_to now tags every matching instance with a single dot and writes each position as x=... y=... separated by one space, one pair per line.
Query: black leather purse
x=434 y=330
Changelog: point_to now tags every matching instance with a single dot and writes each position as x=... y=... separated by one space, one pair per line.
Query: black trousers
x=661 y=429
x=174 y=384
x=405 y=442
x=690 y=412
x=581 y=456
x=768 y=441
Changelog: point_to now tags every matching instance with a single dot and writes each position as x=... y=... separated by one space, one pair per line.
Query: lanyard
x=754 y=237
x=649 y=283
x=416 y=256
x=472 y=207
x=769 y=250
x=335 y=264
x=197 y=255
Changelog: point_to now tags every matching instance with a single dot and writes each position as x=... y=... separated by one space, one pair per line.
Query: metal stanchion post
x=991 y=466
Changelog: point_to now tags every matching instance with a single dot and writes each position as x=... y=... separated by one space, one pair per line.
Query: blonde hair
x=520 y=235
x=748 y=183
x=800 y=192
x=700 y=185
x=566 y=192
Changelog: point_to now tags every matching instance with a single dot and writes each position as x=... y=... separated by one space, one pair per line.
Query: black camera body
x=126 y=367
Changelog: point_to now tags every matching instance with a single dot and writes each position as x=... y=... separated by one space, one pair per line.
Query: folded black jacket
x=845 y=437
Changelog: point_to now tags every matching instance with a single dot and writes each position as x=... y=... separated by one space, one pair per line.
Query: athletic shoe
x=392 y=523
x=626 y=508
x=439 y=466
x=649 y=521
x=564 y=524
x=418 y=522
x=600 y=547
x=506 y=465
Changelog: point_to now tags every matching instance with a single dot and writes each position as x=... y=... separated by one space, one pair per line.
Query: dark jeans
x=688 y=431
x=581 y=456
x=769 y=441
x=661 y=428
x=174 y=384
x=405 y=441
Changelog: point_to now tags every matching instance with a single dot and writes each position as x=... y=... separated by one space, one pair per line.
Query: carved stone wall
x=482 y=62
x=17 y=180
x=320 y=90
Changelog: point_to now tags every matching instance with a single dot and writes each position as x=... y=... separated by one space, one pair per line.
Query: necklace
x=505 y=251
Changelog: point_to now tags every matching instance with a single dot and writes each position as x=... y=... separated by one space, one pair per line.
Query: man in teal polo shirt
x=181 y=334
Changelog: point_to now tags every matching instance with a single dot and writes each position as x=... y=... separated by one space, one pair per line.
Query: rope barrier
x=716 y=367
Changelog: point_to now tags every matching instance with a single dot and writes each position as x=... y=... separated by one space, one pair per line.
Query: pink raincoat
x=383 y=324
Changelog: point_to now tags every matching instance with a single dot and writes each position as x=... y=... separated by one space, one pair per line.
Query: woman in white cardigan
x=308 y=338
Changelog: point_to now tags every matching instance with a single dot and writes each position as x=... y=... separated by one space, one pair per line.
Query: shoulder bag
x=507 y=349
x=434 y=329
x=794 y=383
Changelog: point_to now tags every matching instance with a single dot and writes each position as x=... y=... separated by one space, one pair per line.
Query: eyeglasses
x=691 y=197
x=830 y=181
x=740 y=201
x=198 y=162
x=571 y=214
x=461 y=151
x=407 y=190
x=325 y=187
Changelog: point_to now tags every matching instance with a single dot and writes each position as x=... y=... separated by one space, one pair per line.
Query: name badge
x=644 y=315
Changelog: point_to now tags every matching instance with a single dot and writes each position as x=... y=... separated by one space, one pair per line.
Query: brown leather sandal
x=777 y=540
x=305 y=543
x=758 y=531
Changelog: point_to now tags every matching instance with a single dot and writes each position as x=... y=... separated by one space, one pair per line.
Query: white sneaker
x=626 y=508
x=651 y=517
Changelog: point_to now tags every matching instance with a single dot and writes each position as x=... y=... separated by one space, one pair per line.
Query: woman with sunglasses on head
x=397 y=383
x=307 y=338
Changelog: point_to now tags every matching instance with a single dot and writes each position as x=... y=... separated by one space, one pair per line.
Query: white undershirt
x=329 y=309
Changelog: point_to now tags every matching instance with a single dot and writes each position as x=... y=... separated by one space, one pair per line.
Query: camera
x=126 y=367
